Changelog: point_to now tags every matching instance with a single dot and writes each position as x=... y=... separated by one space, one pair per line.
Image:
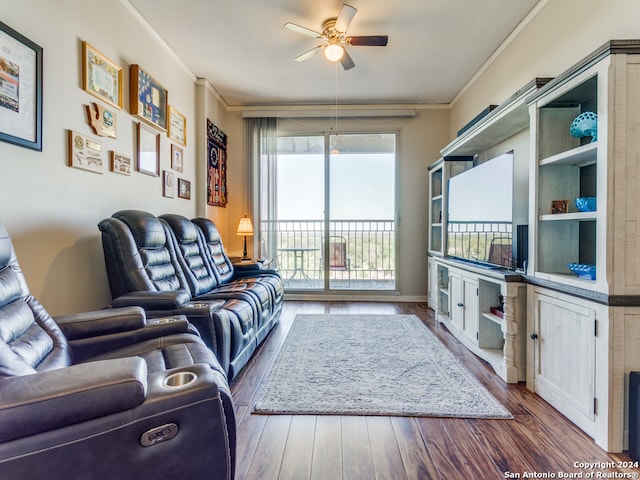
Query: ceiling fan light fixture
x=334 y=33
x=333 y=52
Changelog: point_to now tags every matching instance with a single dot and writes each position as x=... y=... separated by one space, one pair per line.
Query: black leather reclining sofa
x=107 y=394
x=171 y=265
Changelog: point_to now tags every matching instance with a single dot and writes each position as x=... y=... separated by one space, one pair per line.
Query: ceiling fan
x=334 y=33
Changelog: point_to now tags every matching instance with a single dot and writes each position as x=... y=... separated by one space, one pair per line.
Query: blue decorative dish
x=585 y=125
x=586 y=204
x=586 y=272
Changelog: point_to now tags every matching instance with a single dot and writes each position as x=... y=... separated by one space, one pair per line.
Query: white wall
x=559 y=36
x=52 y=210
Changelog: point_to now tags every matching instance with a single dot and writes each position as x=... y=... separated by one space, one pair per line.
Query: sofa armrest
x=239 y=273
x=88 y=348
x=197 y=382
x=154 y=300
x=247 y=267
x=101 y=322
x=45 y=401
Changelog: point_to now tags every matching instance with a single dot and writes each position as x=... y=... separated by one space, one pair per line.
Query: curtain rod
x=344 y=113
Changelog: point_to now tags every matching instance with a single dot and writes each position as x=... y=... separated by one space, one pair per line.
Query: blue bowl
x=586 y=272
x=586 y=204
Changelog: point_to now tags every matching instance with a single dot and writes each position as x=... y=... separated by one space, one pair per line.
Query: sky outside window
x=362 y=183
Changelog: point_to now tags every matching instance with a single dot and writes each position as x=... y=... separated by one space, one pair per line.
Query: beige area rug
x=371 y=365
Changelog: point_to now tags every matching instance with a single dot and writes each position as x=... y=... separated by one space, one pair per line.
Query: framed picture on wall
x=148 y=99
x=120 y=163
x=20 y=89
x=184 y=188
x=177 y=159
x=177 y=127
x=148 y=151
x=84 y=152
x=102 y=120
x=168 y=184
x=216 y=166
x=101 y=77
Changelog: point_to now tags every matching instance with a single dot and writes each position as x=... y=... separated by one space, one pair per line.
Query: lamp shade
x=245 y=227
x=333 y=52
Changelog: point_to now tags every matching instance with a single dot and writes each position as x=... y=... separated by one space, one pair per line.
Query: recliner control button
x=159 y=434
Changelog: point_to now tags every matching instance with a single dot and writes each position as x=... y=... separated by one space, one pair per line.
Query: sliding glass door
x=361 y=212
x=335 y=213
x=299 y=226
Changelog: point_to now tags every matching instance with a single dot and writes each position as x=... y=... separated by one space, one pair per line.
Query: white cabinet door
x=463 y=292
x=564 y=357
x=470 y=308
x=456 y=312
x=432 y=282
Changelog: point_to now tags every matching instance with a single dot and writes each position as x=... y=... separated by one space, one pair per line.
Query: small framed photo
x=176 y=158
x=184 y=189
x=148 y=151
x=168 y=184
x=20 y=90
x=120 y=163
x=559 y=206
x=101 y=77
x=84 y=153
x=177 y=127
x=148 y=98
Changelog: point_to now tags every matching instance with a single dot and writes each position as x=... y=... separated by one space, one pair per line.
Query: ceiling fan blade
x=303 y=30
x=309 y=54
x=347 y=61
x=368 y=40
x=347 y=12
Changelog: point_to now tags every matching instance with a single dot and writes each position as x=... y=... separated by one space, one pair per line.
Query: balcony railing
x=481 y=241
x=369 y=249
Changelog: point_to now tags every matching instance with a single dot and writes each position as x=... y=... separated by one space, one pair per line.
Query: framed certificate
x=20 y=90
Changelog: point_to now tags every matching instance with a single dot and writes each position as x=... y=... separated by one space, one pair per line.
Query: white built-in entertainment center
x=573 y=336
x=483 y=305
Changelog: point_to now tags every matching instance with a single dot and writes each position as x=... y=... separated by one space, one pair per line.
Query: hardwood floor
x=537 y=441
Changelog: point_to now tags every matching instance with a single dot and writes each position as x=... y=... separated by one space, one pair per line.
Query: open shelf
x=579 y=156
x=492 y=317
x=568 y=167
x=568 y=279
x=559 y=217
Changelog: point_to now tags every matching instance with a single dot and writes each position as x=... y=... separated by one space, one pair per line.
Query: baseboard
x=356 y=297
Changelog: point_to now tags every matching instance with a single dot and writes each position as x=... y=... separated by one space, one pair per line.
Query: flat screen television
x=480 y=213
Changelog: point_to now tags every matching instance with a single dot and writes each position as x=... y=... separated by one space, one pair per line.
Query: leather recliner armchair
x=106 y=394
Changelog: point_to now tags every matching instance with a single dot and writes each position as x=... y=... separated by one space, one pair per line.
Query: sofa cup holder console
x=180 y=379
x=164 y=320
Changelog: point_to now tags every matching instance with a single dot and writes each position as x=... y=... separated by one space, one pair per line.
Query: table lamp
x=245 y=229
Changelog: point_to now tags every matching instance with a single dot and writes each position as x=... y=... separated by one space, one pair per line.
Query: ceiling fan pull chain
x=336 y=113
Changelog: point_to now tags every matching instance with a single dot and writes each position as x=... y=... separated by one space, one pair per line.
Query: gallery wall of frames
x=21 y=105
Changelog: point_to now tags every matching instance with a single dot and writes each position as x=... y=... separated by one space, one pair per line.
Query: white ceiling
x=243 y=50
